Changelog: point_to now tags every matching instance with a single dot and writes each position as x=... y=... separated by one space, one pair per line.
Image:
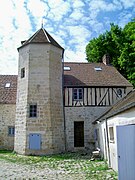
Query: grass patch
x=69 y=163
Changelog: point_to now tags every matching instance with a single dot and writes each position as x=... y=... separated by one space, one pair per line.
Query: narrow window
x=22 y=72
x=78 y=94
x=33 y=110
x=111 y=134
x=11 y=130
x=119 y=92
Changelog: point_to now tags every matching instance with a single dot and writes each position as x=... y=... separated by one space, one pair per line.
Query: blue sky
x=72 y=23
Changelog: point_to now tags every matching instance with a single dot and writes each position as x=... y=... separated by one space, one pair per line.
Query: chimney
x=106 y=59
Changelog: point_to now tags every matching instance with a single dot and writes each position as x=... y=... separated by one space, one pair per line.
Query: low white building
x=120 y=118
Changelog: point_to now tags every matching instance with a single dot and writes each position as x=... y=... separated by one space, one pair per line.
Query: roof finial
x=42 y=24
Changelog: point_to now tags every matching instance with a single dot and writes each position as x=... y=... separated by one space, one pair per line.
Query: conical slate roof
x=41 y=36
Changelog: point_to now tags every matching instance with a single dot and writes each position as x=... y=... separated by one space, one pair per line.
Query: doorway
x=79 y=134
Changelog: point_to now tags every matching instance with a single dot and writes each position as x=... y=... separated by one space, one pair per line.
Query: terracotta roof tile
x=8 y=94
x=84 y=74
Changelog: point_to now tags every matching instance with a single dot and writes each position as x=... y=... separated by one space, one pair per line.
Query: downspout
x=65 y=138
x=109 y=159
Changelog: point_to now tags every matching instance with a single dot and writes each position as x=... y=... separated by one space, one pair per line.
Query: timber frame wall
x=94 y=96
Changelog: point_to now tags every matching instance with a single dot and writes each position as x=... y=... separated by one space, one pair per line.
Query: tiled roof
x=80 y=74
x=41 y=36
x=84 y=74
x=124 y=104
x=8 y=94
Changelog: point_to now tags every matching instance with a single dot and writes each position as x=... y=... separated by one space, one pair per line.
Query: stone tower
x=39 y=127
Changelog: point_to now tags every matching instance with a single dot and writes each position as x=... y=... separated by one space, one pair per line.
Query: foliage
x=120 y=45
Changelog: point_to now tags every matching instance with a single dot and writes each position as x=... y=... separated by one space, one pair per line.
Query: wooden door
x=79 y=134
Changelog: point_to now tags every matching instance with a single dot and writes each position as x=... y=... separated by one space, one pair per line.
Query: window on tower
x=33 y=110
x=22 y=72
x=11 y=130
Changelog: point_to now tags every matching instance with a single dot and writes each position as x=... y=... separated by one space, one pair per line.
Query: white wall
x=127 y=117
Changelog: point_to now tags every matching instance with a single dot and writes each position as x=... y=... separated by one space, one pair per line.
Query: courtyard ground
x=69 y=166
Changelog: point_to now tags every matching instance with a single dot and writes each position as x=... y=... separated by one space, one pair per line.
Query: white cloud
x=37 y=8
x=58 y=10
x=79 y=33
x=128 y=3
x=75 y=56
x=78 y=4
x=76 y=15
x=12 y=29
x=71 y=23
x=124 y=18
x=102 y=5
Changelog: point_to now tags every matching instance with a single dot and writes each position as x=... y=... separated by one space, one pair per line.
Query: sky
x=72 y=23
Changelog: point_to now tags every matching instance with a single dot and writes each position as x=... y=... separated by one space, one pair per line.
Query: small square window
x=77 y=93
x=22 y=72
x=33 y=110
x=11 y=130
x=7 y=85
x=111 y=134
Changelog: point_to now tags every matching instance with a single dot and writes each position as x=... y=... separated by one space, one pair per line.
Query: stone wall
x=21 y=101
x=42 y=86
x=86 y=114
x=7 y=119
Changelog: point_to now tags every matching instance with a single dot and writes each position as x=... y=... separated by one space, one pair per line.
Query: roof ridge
x=32 y=37
x=46 y=35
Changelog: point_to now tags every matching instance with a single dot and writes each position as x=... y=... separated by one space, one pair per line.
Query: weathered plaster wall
x=7 y=118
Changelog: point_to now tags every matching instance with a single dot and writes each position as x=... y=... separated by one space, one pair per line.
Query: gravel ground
x=11 y=171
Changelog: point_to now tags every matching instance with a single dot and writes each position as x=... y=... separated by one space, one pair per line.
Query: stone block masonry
x=7 y=120
x=41 y=86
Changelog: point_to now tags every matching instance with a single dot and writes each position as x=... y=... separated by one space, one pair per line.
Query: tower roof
x=41 y=36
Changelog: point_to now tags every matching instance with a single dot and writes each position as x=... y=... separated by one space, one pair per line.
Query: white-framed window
x=111 y=134
x=78 y=94
x=11 y=130
x=32 y=110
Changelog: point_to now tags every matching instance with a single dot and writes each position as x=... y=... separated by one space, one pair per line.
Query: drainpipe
x=109 y=159
x=65 y=138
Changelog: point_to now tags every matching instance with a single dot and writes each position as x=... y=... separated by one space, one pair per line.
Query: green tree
x=127 y=56
x=108 y=42
x=120 y=45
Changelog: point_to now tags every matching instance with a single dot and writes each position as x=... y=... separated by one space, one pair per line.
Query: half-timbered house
x=56 y=101
x=89 y=90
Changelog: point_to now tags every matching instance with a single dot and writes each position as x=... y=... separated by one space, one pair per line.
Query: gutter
x=65 y=138
x=108 y=147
